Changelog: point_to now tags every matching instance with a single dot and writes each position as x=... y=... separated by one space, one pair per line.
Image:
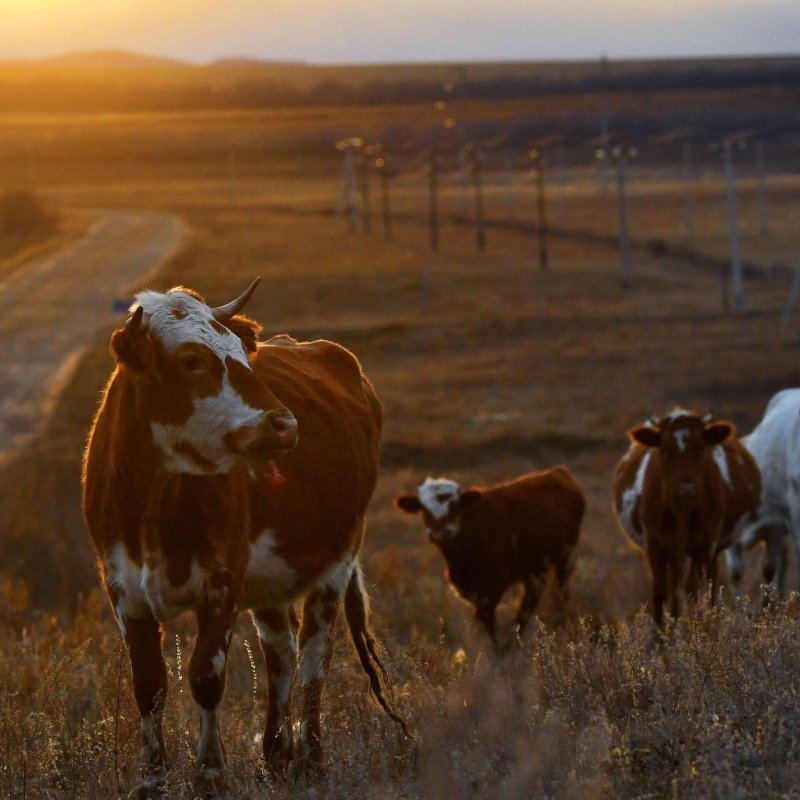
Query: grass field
x=487 y=367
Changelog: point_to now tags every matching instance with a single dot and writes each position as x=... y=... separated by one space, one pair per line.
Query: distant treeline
x=47 y=94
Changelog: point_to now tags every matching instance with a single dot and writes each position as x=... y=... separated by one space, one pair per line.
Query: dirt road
x=51 y=309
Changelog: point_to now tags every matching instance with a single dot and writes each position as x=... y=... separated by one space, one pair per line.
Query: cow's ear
x=128 y=344
x=717 y=432
x=408 y=502
x=246 y=329
x=646 y=435
x=468 y=497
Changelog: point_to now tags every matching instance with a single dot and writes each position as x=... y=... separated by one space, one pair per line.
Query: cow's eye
x=191 y=361
x=442 y=498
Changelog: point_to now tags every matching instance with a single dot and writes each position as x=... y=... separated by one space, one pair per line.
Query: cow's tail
x=356 y=609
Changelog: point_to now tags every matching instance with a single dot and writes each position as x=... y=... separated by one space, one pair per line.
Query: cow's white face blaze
x=439 y=498
x=209 y=410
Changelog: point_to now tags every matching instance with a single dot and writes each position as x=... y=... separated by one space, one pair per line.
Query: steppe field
x=487 y=367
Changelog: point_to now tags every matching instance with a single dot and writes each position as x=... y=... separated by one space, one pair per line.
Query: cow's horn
x=653 y=420
x=708 y=418
x=224 y=313
x=134 y=322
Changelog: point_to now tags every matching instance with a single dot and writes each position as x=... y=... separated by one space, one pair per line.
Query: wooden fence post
x=509 y=181
x=383 y=171
x=791 y=301
x=477 y=187
x=761 y=193
x=624 y=234
x=541 y=209
x=688 y=196
x=433 y=200
x=364 y=154
x=561 y=173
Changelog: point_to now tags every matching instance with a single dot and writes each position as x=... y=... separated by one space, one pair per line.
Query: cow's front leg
x=277 y=635
x=143 y=639
x=485 y=614
x=319 y=615
x=660 y=587
x=676 y=570
x=215 y=622
x=696 y=576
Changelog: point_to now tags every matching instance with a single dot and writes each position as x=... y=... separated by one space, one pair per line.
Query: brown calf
x=186 y=510
x=683 y=490
x=498 y=536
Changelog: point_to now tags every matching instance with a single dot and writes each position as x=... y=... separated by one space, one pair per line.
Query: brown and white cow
x=187 y=511
x=495 y=537
x=683 y=490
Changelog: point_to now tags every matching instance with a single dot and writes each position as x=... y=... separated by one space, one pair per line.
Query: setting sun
x=409 y=30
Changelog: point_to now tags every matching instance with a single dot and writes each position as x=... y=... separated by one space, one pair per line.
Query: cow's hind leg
x=530 y=599
x=564 y=570
x=775 y=561
x=277 y=634
x=143 y=639
x=735 y=564
x=215 y=622
x=319 y=615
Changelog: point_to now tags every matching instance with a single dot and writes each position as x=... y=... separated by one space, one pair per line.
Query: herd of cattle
x=223 y=473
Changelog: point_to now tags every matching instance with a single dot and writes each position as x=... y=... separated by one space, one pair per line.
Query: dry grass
x=487 y=367
x=580 y=711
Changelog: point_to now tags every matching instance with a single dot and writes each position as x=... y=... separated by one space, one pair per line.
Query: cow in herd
x=224 y=474
x=775 y=445
x=497 y=536
x=684 y=491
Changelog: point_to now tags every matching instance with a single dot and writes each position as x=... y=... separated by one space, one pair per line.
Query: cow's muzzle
x=276 y=435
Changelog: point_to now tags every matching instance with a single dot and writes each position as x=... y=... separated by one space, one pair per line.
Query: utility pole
x=737 y=282
x=345 y=207
x=604 y=125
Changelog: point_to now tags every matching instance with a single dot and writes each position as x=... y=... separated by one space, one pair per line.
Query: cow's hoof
x=150 y=789
x=275 y=763
x=307 y=771
x=211 y=784
x=274 y=768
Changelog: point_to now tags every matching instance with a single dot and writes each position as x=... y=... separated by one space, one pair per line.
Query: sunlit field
x=487 y=367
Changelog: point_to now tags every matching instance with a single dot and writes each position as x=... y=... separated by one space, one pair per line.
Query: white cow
x=775 y=445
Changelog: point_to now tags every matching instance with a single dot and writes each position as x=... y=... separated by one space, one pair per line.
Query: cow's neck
x=137 y=460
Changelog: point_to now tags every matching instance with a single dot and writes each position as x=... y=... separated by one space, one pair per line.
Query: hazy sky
x=400 y=30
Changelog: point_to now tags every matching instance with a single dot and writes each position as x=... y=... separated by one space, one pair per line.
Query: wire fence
x=446 y=177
